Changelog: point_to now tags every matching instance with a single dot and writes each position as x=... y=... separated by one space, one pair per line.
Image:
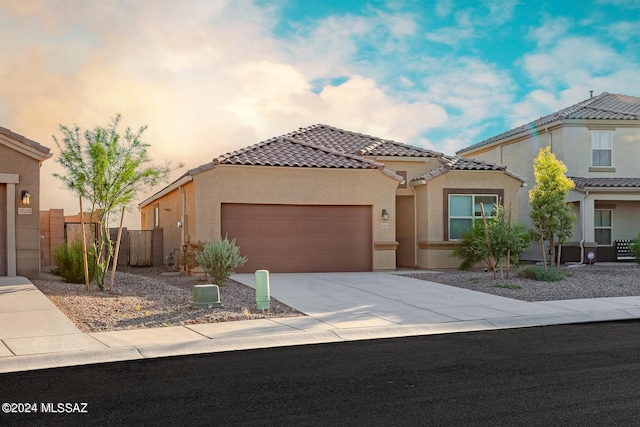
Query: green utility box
x=263 y=295
x=206 y=296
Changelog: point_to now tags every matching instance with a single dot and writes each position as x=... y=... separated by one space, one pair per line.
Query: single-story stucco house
x=327 y=199
x=20 y=160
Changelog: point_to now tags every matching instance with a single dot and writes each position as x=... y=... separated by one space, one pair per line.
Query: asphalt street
x=583 y=374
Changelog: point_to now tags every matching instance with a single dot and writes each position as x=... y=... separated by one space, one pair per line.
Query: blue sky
x=209 y=77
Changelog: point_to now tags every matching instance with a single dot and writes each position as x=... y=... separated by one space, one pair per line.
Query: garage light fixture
x=26 y=197
x=385 y=214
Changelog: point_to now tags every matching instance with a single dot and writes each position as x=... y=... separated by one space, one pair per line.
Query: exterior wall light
x=26 y=197
x=385 y=214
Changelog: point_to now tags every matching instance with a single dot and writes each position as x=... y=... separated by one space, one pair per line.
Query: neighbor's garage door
x=292 y=238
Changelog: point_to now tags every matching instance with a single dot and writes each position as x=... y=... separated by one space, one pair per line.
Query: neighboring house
x=20 y=160
x=599 y=142
x=326 y=199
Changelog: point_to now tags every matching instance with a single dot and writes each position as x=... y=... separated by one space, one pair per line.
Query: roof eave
x=166 y=190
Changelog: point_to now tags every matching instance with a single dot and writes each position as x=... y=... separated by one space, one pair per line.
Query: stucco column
x=11 y=180
x=588 y=220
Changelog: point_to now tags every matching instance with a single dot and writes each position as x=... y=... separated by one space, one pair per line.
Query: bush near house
x=69 y=263
x=541 y=274
x=188 y=257
x=634 y=247
x=219 y=259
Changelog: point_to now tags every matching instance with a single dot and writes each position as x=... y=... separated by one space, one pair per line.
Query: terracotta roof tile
x=357 y=143
x=606 y=106
x=283 y=151
x=460 y=163
x=582 y=182
x=322 y=146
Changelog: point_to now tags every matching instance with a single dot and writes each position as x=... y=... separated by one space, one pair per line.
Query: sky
x=212 y=76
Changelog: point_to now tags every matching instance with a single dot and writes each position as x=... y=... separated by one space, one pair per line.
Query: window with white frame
x=465 y=208
x=601 y=148
x=602 y=226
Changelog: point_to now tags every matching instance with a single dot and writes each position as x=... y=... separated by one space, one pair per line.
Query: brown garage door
x=292 y=238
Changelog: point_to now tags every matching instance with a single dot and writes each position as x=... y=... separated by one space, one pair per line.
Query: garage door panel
x=293 y=238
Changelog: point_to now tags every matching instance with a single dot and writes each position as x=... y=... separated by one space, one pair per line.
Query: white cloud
x=477 y=89
x=551 y=30
x=573 y=60
x=207 y=77
x=443 y=8
x=624 y=31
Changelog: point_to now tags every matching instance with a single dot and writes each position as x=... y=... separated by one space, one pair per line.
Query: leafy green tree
x=108 y=170
x=551 y=216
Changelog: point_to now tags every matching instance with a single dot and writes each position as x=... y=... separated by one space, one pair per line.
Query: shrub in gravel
x=536 y=272
x=634 y=247
x=69 y=263
x=219 y=259
x=188 y=258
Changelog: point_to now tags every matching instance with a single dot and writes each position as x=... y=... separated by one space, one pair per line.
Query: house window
x=465 y=208
x=156 y=216
x=602 y=226
x=601 y=147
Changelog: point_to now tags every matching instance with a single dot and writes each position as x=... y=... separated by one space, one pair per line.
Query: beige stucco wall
x=571 y=144
x=286 y=185
x=574 y=149
x=171 y=212
x=433 y=250
x=27 y=226
x=277 y=185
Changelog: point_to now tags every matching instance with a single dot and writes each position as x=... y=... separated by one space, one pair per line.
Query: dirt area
x=145 y=298
x=585 y=281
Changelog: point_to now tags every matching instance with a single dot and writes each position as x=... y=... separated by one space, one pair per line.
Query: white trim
x=170 y=188
x=22 y=148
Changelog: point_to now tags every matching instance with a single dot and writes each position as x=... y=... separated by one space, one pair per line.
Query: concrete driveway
x=371 y=299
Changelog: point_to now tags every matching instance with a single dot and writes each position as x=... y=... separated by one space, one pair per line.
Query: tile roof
x=26 y=141
x=348 y=142
x=459 y=163
x=322 y=146
x=606 y=106
x=284 y=151
x=582 y=182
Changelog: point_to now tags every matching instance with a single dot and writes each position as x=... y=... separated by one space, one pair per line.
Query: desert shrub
x=219 y=259
x=536 y=272
x=69 y=263
x=634 y=247
x=188 y=258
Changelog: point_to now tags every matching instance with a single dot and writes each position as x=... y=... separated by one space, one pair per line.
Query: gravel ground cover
x=583 y=281
x=144 y=298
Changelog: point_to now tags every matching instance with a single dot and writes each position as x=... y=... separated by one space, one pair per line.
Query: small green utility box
x=206 y=296
x=262 y=290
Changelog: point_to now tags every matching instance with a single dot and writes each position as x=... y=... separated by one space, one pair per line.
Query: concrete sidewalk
x=34 y=334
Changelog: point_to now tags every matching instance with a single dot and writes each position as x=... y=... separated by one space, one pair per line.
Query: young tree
x=551 y=216
x=108 y=170
x=506 y=241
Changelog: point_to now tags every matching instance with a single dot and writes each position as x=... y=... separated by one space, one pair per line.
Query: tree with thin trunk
x=551 y=216
x=107 y=170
